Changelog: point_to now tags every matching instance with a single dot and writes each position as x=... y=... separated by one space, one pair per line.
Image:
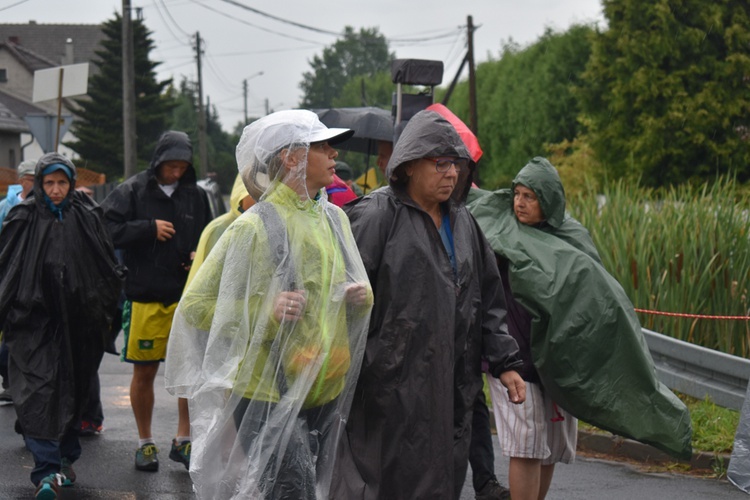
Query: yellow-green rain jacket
x=213 y=231
x=226 y=348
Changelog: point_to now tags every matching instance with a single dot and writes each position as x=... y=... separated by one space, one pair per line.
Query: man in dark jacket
x=156 y=218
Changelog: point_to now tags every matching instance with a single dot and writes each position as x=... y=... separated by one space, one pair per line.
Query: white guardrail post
x=698 y=371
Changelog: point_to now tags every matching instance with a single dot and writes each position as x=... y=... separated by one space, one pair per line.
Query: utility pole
x=473 y=121
x=267 y=110
x=472 y=77
x=244 y=94
x=201 y=111
x=128 y=94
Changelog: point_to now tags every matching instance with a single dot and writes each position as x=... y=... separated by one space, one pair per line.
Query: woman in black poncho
x=59 y=285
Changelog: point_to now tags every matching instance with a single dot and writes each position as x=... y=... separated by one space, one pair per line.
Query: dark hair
x=399 y=177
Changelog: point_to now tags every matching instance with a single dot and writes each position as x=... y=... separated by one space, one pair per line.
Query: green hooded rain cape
x=586 y=340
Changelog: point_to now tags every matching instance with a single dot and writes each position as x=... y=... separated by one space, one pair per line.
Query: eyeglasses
x=442 y=165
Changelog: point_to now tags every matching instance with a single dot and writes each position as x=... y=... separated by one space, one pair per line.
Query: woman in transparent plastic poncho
x=268 y=338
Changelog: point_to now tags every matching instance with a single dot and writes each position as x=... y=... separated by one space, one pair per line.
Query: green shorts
x=146 y=327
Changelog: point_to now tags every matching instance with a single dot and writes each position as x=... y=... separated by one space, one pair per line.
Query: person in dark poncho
x=59 y=285
x=438 y=310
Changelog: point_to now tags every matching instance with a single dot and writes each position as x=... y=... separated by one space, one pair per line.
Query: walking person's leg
x=182 y=444
x=146 y=328
x=5 y=396
x=142 y=402
x=482 y=455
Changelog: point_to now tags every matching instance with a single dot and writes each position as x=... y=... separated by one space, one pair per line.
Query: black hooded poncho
x=410 y=424
x=59 y=286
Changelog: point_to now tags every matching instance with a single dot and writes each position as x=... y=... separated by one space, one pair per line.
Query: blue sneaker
x=146 y=458
x=48 y=488
x=181 y=453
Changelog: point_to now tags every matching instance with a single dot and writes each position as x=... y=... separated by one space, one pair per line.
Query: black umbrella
x=369 y=124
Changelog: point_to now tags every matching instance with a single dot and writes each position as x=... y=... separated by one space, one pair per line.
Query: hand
x=164 y=230
x=356 y=294
x=187 y=265
x=515 y=385
x=289 y=306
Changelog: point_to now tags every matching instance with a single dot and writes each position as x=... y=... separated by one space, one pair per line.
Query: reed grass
x=679 y=250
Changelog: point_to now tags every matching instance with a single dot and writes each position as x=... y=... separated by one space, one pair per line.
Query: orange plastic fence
x=86 y=177
x=692 y=316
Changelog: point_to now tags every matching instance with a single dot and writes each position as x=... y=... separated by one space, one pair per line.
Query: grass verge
x=713 y=432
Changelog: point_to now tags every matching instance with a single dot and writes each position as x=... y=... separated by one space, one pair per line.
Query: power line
x=443 y=34
x=13 y=5
x=453 y=50
x=166 y=24
x=255 y=25
x=266 y=51
x=218 y=74
x=282 y=20
x=185 y=33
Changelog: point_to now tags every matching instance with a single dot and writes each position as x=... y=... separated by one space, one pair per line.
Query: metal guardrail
x=698 y=371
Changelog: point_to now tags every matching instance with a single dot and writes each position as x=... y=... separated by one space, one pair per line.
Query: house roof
x=19 y=107
x=10 y=122
x=27 y=58
x=49 y=43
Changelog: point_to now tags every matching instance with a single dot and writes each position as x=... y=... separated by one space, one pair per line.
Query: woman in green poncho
x=537 y=434
x=584 y=353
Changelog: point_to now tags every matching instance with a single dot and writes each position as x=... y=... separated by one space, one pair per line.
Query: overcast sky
x=240 y=43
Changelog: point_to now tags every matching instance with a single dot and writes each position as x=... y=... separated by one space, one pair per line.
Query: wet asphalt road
x=105 y=470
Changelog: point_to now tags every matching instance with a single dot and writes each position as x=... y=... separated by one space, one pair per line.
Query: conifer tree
x=98 y=126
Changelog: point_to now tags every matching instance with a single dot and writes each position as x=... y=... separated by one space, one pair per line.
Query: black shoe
x=493 y=490
x=5 y=397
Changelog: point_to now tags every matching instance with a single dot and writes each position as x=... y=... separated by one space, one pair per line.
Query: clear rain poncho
x=268 y=338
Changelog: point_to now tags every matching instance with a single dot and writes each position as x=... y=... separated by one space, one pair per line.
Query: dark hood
x=541 y=177
x=174 y=145
x=429 y=135
x=45 y=161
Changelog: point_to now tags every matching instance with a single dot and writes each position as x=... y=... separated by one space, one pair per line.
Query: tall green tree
x=525 y=100
x=98 y=126
x=366 y=90
x=356 y=54
x=667 y=89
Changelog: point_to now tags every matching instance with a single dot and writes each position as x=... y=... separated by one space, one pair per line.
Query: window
x=3 y=75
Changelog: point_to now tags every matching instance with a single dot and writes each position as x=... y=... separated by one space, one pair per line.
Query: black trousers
x=481 y=453
x=291 y=472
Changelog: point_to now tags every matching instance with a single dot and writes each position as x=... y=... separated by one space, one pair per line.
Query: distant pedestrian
x=346 y=174
x=16 y=194
x=58 y=292
x=156 y=218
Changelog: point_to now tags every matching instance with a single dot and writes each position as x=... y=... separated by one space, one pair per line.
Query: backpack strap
x=278 y=242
